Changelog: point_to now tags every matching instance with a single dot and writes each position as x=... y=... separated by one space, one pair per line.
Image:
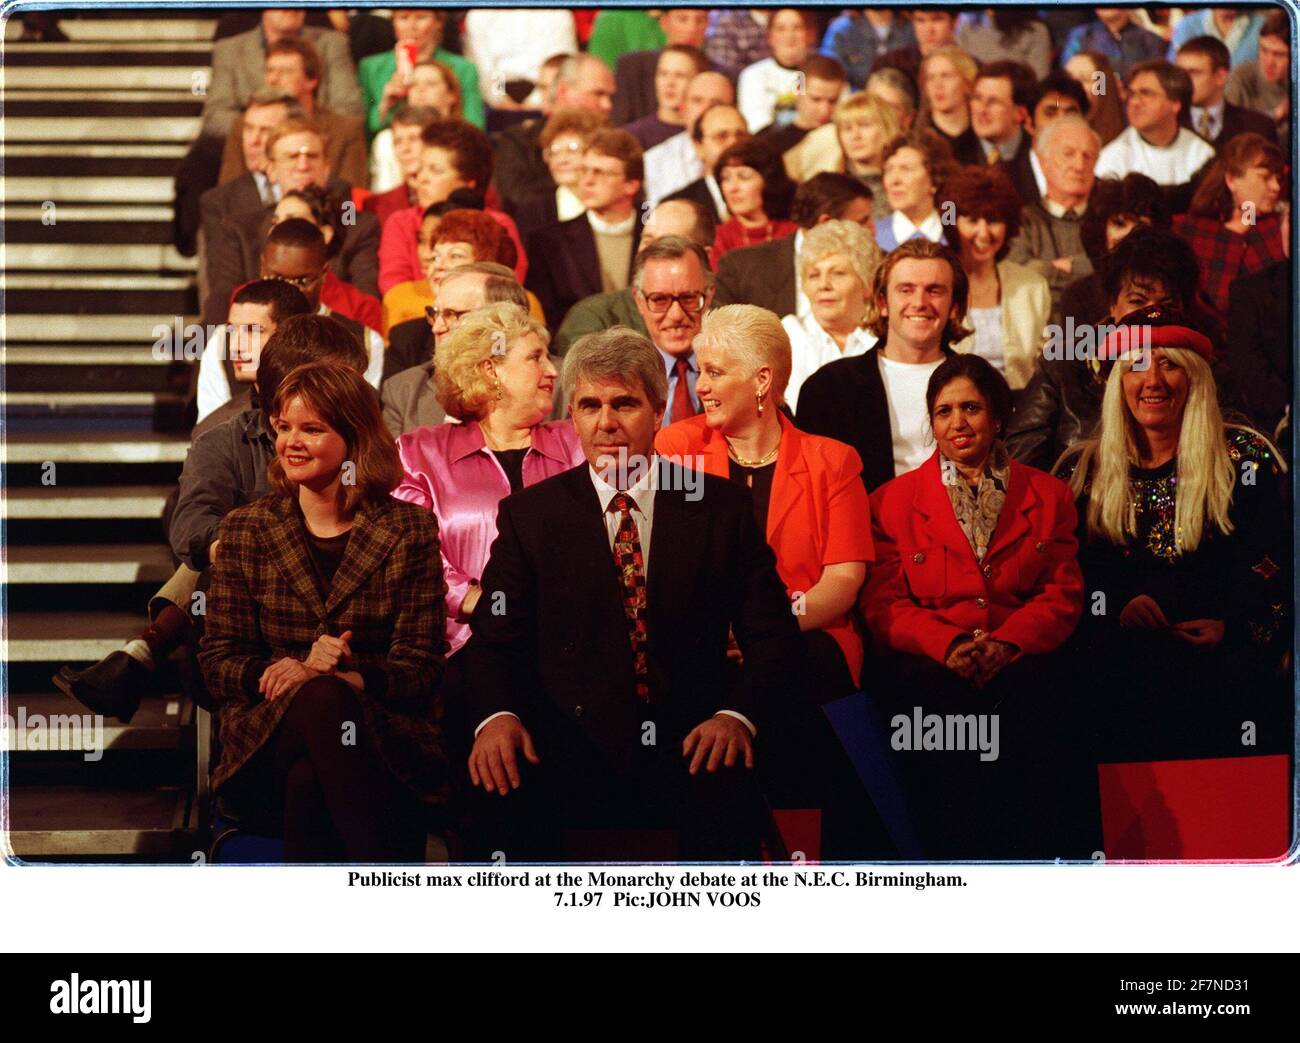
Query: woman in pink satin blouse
x=494 y=375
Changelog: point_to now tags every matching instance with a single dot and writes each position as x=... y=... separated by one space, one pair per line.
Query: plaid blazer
x=1225 y=256
x=264 y=604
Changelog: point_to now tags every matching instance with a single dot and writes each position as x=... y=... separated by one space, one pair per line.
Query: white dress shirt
x=931 y=227
x=642 y=493
x=671 y=165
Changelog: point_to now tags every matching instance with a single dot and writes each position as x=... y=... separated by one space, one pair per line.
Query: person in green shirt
x=616 y=32
x=384 y=77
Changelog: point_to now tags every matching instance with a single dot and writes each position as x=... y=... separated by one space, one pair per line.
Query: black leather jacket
x=1061 y=405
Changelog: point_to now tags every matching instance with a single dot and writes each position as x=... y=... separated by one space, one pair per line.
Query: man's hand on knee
x=493 y=762
x=721 y=740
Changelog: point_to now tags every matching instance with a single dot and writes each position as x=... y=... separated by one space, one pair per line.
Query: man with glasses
x=294 y=253
x=673 y=287
x=409 y=397
x=296 y=158
x=591 y=253
x=716 y=130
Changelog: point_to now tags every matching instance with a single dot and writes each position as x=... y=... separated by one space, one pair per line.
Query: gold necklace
x=762 y=462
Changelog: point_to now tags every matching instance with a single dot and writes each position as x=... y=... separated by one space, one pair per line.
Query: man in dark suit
x=875 y=402
x=519 y=169
x=233 y=236
x=714 y=131
x=765 y=274
x=1057 y=94
x=591 y=253
x=1206 y=61
x=597 y=677
x=1259 y=342
x=999 y=110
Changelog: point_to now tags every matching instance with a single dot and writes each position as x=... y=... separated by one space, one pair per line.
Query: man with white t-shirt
x=875 y=402
x=1155 y=143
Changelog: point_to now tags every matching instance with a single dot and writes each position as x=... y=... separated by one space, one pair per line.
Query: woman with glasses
x=758 y=193
x=563 y=140
x=493 y=374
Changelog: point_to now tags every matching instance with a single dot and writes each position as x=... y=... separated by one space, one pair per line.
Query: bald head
x=705 y=89
x=679 y=217
x=585 y=82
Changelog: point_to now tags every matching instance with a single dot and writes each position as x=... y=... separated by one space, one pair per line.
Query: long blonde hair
x=1205 y=477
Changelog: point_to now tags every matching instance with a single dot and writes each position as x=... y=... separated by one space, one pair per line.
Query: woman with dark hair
x=1009 y=304
x=325 y=619
x=1115 y=207
x=1094 y=71
x=914 y=167
x=758 y=193
x=1062 y=403
x=1184 y=533
x=1233 y=223
x=975 y=585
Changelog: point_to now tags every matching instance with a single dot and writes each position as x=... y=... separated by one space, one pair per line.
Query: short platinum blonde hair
x=464 y=388
x=841 y=237
x=617 y=354
x=753 y=335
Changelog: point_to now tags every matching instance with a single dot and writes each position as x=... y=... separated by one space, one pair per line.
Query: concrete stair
x=94 y=130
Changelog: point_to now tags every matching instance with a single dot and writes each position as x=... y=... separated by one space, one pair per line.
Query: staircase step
x=95 y=30
x=89 y=501
x=137 y=190
x=80 y=55
x=92 y=128
x=116 y=257
x=61 y=356
x=80 y=401
x=70 y=637
x=66 y=821
x=39 y=724
x=81 y=283
x=71 y=329
x=94 y=448
x=106 y=563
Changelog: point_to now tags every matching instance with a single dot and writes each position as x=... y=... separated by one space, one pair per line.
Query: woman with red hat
x=1183 y=537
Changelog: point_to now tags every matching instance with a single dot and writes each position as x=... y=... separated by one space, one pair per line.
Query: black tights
x=340 y=802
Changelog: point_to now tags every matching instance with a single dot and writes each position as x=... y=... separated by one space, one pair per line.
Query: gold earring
x=496 y=387
x=759 y=396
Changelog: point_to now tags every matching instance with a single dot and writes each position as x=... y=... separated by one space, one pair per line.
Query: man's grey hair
x=276 y=96
x=1043 y=140
x=618 y=354
x=670 y=248
x=499 y=283
x=571 y=71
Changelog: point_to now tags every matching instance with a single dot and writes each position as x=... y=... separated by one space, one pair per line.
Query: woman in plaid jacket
x=325 y=642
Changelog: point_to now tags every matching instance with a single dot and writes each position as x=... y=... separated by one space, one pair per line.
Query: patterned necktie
x=1203 y=125
x=631 y=574
x=683 y=407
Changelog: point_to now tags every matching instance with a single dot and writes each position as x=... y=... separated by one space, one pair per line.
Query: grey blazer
x=237 y=72
x=409 y=401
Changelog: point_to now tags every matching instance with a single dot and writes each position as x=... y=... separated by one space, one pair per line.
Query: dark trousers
x=337 y=800
x=801 y=763
x=1030 y=796
x=717 y=815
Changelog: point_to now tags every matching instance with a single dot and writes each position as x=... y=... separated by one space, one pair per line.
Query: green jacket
x=376 y=70
x=598 y=312
x=617 y=32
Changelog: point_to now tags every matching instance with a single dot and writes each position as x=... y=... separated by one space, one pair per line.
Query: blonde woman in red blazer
x=811 y=504
x=975 y=585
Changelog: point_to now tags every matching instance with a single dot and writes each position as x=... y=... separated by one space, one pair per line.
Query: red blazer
x=927 y=587
x=819 y=514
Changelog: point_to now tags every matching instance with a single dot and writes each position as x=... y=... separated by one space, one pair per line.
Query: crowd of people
x=941 y=358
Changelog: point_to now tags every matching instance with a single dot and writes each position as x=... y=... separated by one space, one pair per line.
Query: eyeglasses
x=450 y=314
x=560 y=148
x=659 y=303
x=300 y=281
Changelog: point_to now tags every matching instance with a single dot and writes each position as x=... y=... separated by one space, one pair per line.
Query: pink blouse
x=450 y=471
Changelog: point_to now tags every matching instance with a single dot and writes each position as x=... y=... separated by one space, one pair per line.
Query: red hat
x=1154 y=327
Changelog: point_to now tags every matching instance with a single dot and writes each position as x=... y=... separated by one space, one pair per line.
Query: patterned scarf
x=977 y=510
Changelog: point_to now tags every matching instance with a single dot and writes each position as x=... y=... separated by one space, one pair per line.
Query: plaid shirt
x=264 y=604
x=1225 y=256
x=735 y=40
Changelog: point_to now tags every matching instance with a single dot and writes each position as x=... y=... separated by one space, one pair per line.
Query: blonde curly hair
x=464 y=386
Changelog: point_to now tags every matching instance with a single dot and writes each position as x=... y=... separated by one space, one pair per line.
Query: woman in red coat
x=976 y=583
x=810 y=502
